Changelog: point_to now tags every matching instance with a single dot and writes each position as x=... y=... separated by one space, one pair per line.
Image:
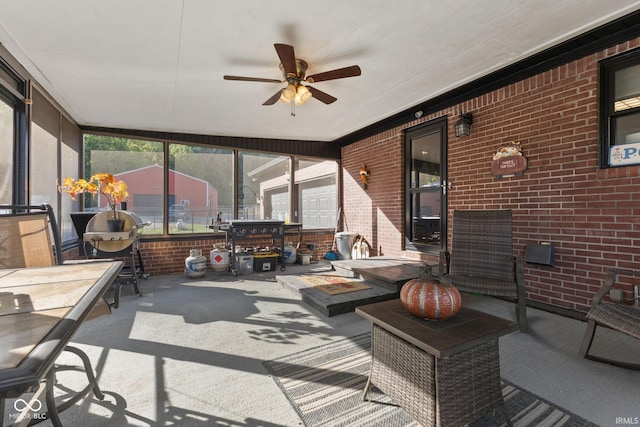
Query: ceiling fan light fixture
x=303 y=95
x=294 y=72
x=289 y=93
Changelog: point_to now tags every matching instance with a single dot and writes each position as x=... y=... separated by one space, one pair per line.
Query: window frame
x=300 y=186
x=14 y=89
x=293 y=199
x=607 y=69
x=12 y=105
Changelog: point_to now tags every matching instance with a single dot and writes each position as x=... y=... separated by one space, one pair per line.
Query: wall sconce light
x=364 y=176
x=463 y=125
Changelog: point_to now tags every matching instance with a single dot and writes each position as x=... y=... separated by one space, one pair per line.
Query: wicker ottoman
x=452 y=391
x=451 y=384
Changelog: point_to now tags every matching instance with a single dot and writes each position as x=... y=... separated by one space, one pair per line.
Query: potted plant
x=114 y=190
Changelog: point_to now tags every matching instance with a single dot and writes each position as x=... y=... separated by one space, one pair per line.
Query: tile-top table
x=40 y=311
x=443 y=373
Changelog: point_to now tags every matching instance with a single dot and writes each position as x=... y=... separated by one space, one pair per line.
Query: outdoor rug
x=324 y=385
x=333 y=285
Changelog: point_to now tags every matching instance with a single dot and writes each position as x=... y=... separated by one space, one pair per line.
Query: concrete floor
x=189 y=352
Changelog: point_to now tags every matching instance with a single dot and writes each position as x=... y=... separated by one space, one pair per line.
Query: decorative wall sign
x=509 y=161
x=625 y=154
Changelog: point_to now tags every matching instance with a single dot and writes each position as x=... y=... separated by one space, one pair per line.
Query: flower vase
x=115 y=225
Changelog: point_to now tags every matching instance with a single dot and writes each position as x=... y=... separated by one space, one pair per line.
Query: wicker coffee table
x=443 y=373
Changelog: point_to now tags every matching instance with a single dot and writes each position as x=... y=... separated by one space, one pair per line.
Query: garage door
x=319 y=204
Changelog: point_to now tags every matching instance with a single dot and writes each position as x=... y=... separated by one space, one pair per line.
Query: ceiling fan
x=294 y=72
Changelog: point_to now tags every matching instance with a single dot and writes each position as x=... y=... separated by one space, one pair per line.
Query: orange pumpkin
x=427 y=298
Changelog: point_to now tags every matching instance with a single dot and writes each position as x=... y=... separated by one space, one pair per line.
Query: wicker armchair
x=617 y=316
x=482 y=260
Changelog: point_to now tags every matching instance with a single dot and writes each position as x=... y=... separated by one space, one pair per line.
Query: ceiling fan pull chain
x=293 y=107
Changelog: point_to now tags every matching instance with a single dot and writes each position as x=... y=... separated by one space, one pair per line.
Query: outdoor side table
x=443 y=373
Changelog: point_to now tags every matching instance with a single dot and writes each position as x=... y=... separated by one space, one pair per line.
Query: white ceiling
x=158 y=64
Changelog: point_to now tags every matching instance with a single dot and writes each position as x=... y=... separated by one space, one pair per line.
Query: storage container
x=243 y=264
x=344 y=242
x=305 y=259
x=264 y=261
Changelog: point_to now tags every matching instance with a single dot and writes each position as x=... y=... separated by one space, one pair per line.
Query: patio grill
x=120 y=244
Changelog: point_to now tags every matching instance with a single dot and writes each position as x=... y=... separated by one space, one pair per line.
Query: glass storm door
x=426 y=188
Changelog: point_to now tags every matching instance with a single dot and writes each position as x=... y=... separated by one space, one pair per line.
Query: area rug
x=324 y=385
x=334 y=285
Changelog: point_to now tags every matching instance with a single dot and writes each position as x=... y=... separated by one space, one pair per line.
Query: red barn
x=146 y=192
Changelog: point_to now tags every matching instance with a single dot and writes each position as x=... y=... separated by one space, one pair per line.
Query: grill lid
x=99 y=236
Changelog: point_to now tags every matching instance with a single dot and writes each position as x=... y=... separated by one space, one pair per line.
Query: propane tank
x=289 y=253
x=219 y=258
x=195 y=264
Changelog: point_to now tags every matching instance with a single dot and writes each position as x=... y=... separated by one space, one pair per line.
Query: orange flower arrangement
x=114 y=190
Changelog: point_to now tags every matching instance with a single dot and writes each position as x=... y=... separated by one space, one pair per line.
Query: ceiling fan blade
x=273 y=99
x=252 y=79
x=339 y=73
x=321 y=96
x=287 y=58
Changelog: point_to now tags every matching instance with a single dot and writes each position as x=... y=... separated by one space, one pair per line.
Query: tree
x=121 y=163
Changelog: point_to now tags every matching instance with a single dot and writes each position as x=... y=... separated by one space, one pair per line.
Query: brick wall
x=377 y=212
x=167 y=256
x=590 y=215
